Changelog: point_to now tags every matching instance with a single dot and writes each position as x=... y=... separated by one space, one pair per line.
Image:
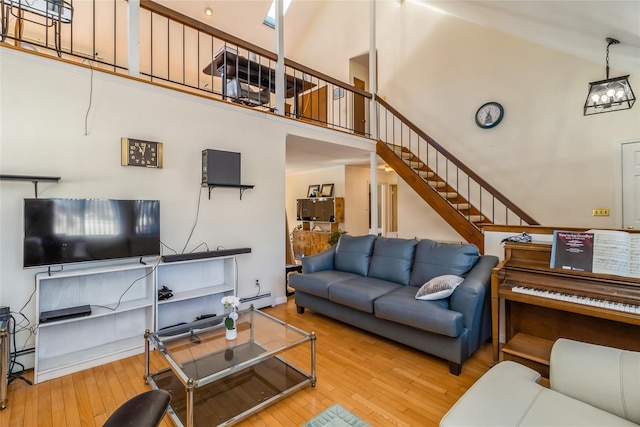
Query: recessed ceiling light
x=208 y=11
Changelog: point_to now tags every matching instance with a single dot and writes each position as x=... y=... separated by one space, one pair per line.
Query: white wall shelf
x=197 y=287
x=69 y=363
x=123 y=300
x=196 y=293
x=69 y=345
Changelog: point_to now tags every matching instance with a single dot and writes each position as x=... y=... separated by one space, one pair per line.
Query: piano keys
x=543 y=304
x=577 y=299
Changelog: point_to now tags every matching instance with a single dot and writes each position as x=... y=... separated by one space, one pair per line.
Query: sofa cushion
x=392 y=259
x=556 y=409
x=499 y=398
x=353 y=254
x=522 y=402
x=605 y=377
x=401 y=306
x=437 y=259
x=439 y=287
x=360 y=292
x=318 y=283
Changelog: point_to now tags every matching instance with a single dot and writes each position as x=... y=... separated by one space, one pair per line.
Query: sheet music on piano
x=597 y=251
x=572 y=250
x=616 y=252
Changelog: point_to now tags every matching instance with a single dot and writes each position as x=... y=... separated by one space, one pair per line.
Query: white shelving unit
x=122 y=300
x=197 y=287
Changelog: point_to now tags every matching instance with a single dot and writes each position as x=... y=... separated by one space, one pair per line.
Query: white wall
x=437 y=70
x=42 y=132
x=417 y=219
x=544 y=145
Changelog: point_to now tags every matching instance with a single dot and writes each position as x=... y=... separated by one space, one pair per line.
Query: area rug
x=336 y=416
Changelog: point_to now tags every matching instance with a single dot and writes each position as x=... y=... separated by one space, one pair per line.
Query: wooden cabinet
x=307 y=242
x=323 y=210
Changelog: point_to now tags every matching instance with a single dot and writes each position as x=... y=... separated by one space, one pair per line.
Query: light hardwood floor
x=384 y=383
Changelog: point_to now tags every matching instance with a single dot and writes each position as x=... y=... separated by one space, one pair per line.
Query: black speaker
x=220 y=167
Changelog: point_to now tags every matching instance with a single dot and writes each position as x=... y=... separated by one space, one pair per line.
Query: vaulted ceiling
x=577 y=27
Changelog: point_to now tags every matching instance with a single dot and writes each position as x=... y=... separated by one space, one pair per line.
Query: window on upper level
x=270 y=19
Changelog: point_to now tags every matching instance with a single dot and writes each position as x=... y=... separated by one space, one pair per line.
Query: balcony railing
x=178 y=51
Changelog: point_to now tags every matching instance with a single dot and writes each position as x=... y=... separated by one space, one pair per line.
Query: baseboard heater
x=257 y=297
x=205 y=254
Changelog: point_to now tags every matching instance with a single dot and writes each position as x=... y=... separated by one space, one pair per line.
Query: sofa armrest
x=604 y=377
x=319 y=262
x=473 y=293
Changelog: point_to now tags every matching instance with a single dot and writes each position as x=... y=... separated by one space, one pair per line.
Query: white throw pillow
x=439 y=287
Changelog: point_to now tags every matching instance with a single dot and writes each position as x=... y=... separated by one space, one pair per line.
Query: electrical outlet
x=600 y=211
x=257 y=282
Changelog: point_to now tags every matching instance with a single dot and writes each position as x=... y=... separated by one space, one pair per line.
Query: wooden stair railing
x=453 y=190
x=438 y=194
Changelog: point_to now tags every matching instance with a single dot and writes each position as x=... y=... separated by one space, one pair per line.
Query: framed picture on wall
x=313 y=191
x=326 y=190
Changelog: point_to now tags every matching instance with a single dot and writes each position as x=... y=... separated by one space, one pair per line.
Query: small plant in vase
x=231 y=304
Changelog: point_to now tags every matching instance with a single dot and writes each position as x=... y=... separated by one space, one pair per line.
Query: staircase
x=463 y=199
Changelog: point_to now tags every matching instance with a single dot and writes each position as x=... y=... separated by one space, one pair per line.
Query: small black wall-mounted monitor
x=220 y=167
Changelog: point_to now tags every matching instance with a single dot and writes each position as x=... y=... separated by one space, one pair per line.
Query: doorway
x=359 y=121
x=312 y=106
x=631 y=185
x=387 y=210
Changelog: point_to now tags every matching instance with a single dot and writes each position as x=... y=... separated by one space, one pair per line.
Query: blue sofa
x=371 y=282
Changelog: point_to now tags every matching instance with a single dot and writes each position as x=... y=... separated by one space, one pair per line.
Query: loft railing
x=178 y=51
x=396 y=131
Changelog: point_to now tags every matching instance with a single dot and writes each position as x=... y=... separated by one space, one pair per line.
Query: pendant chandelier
x=610 y=94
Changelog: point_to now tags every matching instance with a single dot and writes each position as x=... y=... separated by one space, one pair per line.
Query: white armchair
x=590 y=385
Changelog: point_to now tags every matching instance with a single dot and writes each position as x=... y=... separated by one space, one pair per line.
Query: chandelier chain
x=610 y=41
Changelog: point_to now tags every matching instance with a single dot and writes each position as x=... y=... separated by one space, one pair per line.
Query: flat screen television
x=62 y=231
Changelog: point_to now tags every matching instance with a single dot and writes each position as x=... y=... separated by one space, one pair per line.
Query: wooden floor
x=384 y=383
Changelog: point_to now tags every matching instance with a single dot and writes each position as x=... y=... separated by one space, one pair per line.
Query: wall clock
x=489 y=115
x=136 y=152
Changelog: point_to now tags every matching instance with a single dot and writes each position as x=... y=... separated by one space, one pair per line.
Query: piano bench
x=591 y=385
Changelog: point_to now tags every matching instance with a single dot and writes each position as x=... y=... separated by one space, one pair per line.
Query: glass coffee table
x=217 y=382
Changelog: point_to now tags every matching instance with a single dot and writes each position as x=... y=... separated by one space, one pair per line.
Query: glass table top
x=200 y=353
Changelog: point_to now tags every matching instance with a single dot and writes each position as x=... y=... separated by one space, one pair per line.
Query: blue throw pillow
x=434 y=259
x=353 y=254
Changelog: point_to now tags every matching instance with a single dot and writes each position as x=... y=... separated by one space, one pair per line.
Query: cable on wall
x=86 y=116
x=196 y=221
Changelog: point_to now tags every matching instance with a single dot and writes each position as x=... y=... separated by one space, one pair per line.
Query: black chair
x=143 y=410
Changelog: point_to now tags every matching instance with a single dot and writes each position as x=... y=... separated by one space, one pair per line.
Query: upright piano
x=543 y=304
